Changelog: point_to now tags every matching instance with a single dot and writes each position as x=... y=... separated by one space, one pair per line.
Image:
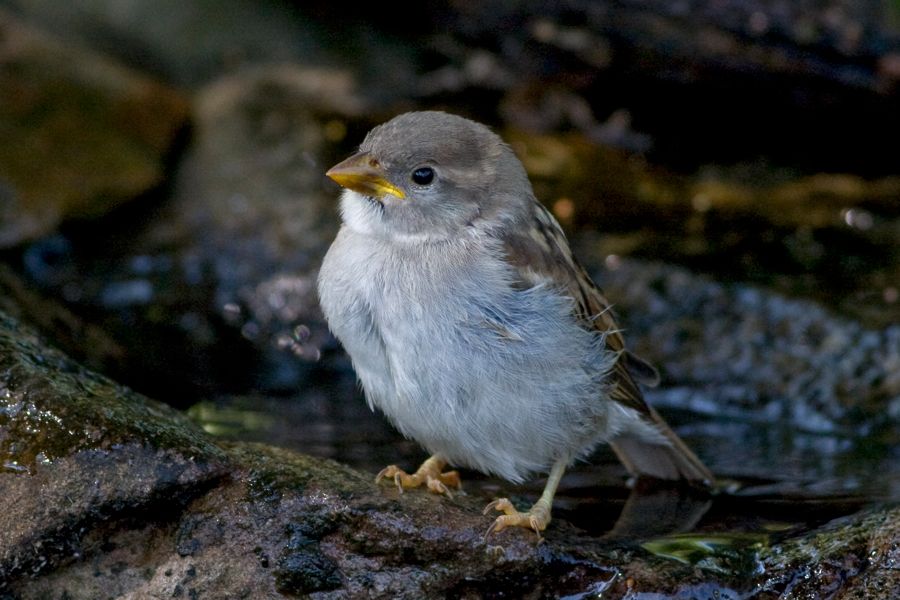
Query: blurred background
x=728 y=171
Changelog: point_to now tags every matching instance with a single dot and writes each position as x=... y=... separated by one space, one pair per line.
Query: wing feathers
x=541 y=256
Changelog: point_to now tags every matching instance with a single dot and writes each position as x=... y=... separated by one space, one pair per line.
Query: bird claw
x=396 y=473
x=428 y=475
x=536 y=519
x=500 y=504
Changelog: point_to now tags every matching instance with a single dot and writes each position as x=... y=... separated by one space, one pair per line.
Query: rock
x=754 y=350
x=78 y=451
x=82 y=134
x=79 y=338
x=793 y=391
x=853 y=557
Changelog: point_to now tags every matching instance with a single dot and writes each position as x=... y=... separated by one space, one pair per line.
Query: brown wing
x=542 y=255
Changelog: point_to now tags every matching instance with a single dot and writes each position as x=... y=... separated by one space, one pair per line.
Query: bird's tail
x=672 y=460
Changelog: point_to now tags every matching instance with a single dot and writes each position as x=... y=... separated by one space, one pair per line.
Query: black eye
x=423 y=175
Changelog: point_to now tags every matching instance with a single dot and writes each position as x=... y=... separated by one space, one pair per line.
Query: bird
x=471 y=325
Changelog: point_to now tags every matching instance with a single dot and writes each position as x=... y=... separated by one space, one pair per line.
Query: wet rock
x=78 y=451
x=855 y=557
x=302 y=568
x=755 y=361
x=79 y=338
x=81 y=133
x=821 y=370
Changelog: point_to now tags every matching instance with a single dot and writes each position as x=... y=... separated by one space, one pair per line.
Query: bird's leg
x=428 y=474
x=537 y=517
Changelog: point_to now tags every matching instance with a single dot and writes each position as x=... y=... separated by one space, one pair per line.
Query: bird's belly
x=506 y=396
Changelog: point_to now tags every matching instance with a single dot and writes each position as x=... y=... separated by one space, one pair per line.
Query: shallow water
x=773 y=480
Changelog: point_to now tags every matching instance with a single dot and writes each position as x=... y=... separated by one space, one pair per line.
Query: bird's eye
x=423 y=175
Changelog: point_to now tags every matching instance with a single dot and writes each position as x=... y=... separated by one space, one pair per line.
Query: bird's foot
x=537 y=518
x=429 y=475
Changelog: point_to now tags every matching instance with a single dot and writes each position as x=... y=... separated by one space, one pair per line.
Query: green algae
x=731 y=554
x=272 y=472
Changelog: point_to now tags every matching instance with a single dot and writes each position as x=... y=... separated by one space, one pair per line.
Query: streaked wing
x=542 y=255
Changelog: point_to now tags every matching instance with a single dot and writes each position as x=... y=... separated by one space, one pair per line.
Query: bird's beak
x=362 y=173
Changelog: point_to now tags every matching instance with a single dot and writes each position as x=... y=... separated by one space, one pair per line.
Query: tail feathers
x=672 y=460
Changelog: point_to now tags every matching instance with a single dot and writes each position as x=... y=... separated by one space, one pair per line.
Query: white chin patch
x=360 y=213
x=366 y=216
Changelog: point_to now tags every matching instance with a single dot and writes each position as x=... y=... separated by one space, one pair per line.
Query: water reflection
x=772 y=478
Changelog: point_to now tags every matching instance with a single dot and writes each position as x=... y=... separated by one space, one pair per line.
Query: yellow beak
x=362 y=173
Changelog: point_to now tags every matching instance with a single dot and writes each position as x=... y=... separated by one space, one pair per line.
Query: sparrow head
x=430 y=176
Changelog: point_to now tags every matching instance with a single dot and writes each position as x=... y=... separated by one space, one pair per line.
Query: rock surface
x=758 y=353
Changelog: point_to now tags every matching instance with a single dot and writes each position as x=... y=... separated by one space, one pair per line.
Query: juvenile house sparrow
x=470 y=323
